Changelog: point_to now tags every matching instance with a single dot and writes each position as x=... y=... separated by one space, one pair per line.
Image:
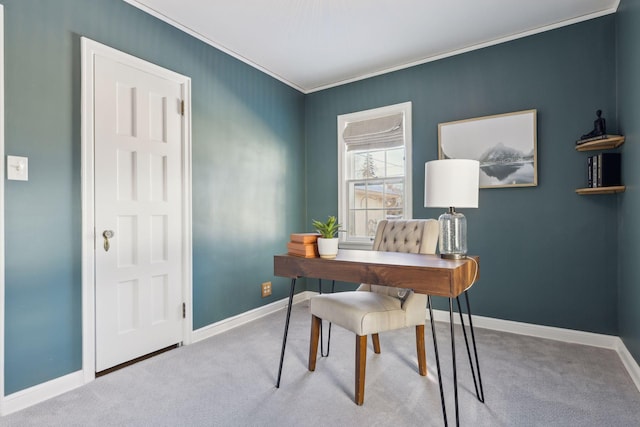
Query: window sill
x=365 y=246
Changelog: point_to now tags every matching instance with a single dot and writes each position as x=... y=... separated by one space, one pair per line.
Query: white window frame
x=343 y=192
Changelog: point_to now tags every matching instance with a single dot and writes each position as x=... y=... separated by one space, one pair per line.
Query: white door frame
x=2 y=162
x=90 y=49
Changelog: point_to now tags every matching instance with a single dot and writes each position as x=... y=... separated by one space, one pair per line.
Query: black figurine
x=599 y=127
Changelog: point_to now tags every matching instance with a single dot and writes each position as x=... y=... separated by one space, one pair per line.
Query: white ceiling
x=315 y=44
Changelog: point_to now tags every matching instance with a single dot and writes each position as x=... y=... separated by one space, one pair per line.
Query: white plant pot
x=328 y=248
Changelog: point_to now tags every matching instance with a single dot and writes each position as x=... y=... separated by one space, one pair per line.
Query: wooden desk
x=427 y=274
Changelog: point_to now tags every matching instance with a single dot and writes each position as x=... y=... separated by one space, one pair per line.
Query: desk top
x=428 y=274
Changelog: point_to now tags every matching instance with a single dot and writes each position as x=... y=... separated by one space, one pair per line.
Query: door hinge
x=182 y=108
x=184 y=310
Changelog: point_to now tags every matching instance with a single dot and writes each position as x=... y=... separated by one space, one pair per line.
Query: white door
x=138 y=200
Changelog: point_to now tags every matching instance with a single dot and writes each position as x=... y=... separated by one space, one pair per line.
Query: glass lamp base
x=453 y=235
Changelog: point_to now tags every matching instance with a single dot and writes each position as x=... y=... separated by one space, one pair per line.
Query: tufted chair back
x=416 y=236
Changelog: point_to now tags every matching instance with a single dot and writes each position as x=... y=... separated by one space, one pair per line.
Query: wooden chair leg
x=376 y=343
x=361 y=365
x=313 y=341
x=422 y=360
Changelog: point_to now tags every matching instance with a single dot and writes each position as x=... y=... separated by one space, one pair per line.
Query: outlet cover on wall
x=266 y=289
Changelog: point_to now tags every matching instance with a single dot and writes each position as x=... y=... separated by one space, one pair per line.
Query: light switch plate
x=18 y=168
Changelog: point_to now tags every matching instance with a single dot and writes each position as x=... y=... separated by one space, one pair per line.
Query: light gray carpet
x=229 y=380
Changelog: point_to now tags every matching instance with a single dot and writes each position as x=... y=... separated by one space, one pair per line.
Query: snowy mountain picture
x=505 y=146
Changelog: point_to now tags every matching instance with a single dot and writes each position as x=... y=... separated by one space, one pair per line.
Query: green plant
x=329 y=229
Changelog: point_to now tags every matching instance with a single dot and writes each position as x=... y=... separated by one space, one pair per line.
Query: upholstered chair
x=372 y=308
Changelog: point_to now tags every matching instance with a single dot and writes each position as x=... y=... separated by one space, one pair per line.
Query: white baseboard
x=552 y=333
x=41 y=392
x=629 y=362
x=246 y=317
x=548 y=332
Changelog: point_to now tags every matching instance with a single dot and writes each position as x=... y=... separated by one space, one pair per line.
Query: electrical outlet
x=266 y=289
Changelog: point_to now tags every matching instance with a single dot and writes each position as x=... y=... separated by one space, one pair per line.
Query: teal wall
x=549 y=256
x=264 y=164
x=628 y=20
x=248 y=174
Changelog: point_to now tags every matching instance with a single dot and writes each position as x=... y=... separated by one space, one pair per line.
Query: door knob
x=107 y=234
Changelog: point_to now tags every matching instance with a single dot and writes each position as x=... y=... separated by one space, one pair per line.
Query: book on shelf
x=307 y=250
x=603 y=170
x=304 y=237
x=608 y=170
x=592 y=172
x=594 y=138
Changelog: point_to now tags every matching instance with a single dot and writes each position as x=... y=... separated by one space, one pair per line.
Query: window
x=374 y=171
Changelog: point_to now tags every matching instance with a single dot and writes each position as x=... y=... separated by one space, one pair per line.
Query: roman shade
x=379 y=133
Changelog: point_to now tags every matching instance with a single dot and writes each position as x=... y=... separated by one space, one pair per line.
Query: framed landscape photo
x=504 y=144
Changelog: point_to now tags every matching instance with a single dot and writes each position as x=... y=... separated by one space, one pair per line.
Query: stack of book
x=603 y=170
x=304 y=245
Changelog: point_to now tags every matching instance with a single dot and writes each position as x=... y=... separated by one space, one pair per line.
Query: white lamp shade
x=451 y=183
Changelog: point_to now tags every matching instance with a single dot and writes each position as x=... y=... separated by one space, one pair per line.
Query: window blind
x=379 y=133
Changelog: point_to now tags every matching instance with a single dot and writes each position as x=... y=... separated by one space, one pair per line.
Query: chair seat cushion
x=363 y=313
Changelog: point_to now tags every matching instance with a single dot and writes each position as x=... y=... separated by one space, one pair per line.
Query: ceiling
x=316 y=44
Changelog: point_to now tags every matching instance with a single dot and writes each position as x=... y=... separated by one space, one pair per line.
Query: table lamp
x=452 y=183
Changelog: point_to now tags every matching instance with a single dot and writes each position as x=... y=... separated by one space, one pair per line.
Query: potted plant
x=328 y=240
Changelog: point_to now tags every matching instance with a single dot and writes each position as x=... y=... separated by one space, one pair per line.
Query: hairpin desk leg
x=453 y=361
x=475 y=350
x=286 y=329
x=435 y=348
